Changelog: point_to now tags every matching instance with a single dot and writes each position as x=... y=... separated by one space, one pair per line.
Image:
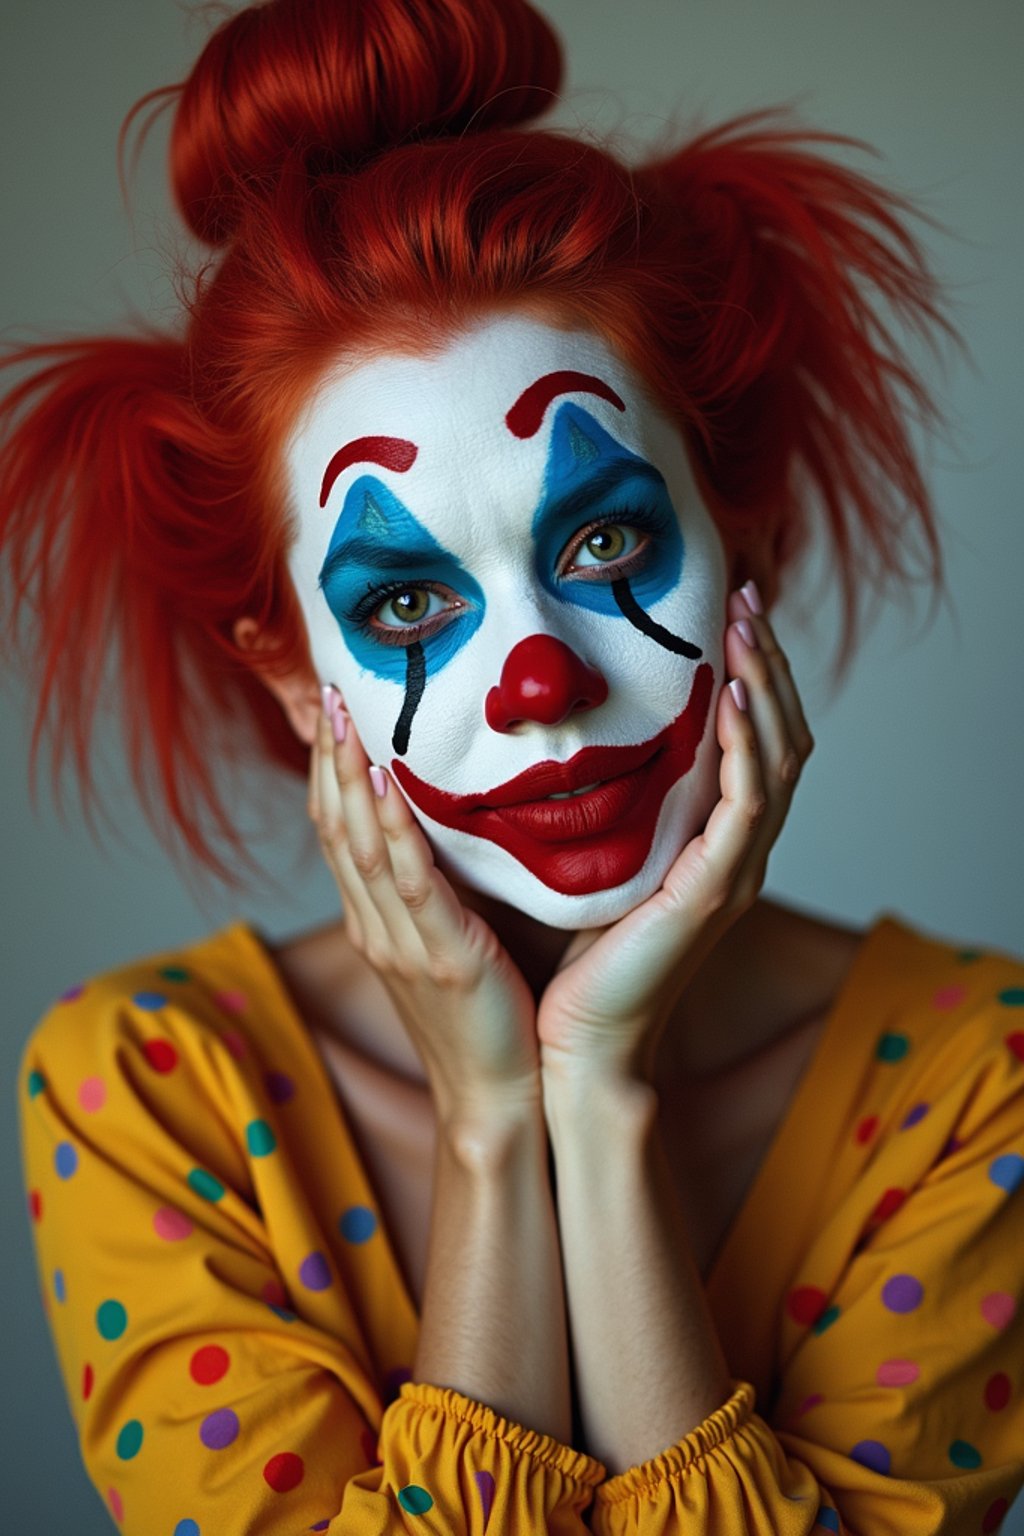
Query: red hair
x=365 y=171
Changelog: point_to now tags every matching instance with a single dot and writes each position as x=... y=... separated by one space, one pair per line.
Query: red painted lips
x=595 y=841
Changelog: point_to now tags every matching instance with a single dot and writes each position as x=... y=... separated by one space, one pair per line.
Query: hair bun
x=336 y=82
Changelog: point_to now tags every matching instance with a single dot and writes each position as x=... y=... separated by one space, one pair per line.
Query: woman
x=469 y=488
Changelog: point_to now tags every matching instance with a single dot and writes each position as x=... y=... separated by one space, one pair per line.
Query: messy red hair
x=366 y=174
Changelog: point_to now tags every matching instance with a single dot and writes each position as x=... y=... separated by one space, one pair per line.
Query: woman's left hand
x=605 y=1008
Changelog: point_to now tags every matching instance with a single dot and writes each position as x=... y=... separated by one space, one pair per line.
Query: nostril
x=545 y=681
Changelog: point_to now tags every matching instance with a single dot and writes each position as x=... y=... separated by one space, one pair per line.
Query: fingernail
x=739 y=693
x=379 y=780
x=339 y=725
x=746 y=633
x=752 y=596
x=330 y=699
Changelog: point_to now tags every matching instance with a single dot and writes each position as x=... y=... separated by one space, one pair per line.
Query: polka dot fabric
x=237 y=1340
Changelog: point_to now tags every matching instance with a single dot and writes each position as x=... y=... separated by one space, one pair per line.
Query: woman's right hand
x=465 y=1004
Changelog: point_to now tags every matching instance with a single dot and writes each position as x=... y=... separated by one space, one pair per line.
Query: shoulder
x=188 y=1012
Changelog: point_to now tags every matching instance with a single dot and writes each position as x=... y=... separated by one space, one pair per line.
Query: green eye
x=408 y=607
x=606 y=543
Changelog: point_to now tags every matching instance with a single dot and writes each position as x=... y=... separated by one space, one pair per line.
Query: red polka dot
x=1015 y=1043
x=806 y=1303
x=274 y=1294
x=161 y=1055
x=284 y=1472
x=866 y=1129
x=994 y=1516
x=235 y=1043
x=35 y=1204
x=88 y=1382
x=888 y=1205
x=209 y=1364
x=997 y=1391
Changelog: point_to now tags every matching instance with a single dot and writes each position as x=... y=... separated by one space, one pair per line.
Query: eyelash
x=362 y=612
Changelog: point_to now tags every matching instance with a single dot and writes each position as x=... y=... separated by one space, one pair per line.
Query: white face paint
x=526 y=582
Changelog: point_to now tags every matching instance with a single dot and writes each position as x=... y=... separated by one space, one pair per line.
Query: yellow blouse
x=236 y=1336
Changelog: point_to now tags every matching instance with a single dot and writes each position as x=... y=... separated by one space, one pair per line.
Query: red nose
x=543 y=680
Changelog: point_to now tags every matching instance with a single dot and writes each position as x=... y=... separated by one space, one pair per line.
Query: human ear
x=297 y=691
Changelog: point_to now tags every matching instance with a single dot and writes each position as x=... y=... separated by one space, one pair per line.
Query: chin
x=485 y=867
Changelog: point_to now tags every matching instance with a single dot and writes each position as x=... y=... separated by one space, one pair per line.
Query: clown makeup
x=506 y=567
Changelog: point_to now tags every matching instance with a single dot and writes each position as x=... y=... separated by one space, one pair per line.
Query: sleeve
x=900 y=1409
x=203 y=1403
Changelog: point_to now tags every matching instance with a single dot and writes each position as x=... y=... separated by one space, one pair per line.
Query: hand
x=467 y=1008
x=607 y=1004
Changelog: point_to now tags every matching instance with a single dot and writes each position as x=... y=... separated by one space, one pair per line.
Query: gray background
x=911 y=803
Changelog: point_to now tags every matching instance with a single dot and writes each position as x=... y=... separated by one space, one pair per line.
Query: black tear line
x=415 y=682
x=623 y=594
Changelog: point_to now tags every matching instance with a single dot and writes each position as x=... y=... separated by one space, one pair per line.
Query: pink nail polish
x=330 y=699
x=379 y=780
x=339 y=725
x=739 y=693
x=746 y=633
x=752 y=596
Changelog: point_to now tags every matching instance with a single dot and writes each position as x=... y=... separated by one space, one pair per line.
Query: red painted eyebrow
x=391 y=452
x=525 y=417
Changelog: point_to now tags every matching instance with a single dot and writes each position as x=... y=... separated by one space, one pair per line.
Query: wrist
x=584 y=1098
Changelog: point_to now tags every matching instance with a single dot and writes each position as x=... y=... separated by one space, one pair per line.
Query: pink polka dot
x=116 y=1503
x=235 y=1043
x=948 y=997
x=232 y=1002
x=897 y=1373
x=998 y=1308
x=171 y=1225
x=92 y=1094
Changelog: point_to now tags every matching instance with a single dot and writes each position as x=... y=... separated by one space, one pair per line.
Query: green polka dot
x=36 y=1084
x=963 y=1454
x=129 y=1441
x=205 y=1185
x=111 y=1319
x=892 y=1047
x=175 y=973
x=260 y=1138
x=826 y=1320
x=967 y=955
x=414 y=1499
x=1012 y=997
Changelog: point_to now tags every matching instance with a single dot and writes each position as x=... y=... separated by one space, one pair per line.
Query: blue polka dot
x=828 y=1519
x=65 y=1160
x=283 y=1313
x=357 y=1224
x=149 y=1000
x=872 y=1454
x=1007 y=1171
x=187 y=1528
x=59 y=1289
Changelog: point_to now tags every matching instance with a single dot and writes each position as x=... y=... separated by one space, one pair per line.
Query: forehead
x=470 y=424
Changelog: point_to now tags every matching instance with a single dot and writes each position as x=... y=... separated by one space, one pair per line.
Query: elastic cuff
x=544 y=1449
x=641 y=1480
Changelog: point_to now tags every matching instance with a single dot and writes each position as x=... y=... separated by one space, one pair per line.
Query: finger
x=782 y=674
x=780 y=760
x=360 y=919
x=433 y=907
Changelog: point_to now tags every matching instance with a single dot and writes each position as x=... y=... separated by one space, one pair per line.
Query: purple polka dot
x=280 y=1087
x=219 y=1429
x=873 y=1454
x=314 y=1272
x=485 y=1488
x=71 y=993
x=902 y=1293
x=913 y=1116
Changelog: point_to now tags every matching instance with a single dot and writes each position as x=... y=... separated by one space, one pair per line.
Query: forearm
x=648 y=1363
x=493 y=1316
